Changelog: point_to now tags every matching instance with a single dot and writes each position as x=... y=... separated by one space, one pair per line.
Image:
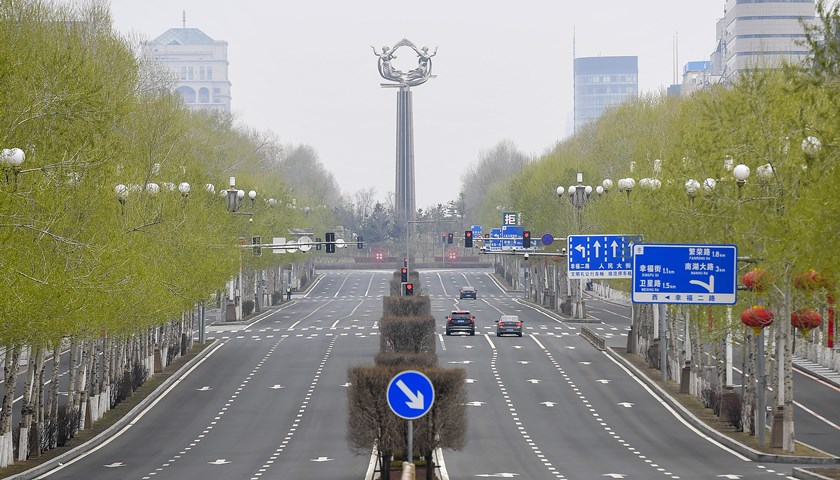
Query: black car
x=468 y=292
x=460 y=322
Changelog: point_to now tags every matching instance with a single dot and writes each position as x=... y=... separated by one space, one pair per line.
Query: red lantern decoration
x=757 y=280
x=804 y=320
x=757 y=317
x=808 y=280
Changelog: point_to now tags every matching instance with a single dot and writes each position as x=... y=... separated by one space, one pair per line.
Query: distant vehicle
x=460 y=322
x=468 y=292
x=509 y=324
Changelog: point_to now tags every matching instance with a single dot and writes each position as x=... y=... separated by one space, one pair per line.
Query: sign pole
x=663 y=342
x=410 y=441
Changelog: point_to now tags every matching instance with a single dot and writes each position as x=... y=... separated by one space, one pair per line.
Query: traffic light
x=330 y=242
x=409 y=289
x=360 y=242
x=449 y=238
x=468 y=239
x=256 y=241
x=317 y=243
x=405 y=261
x=443 y=237
x=404 y=275
x=526 y=239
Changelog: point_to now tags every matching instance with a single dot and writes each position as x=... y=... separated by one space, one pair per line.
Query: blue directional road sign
x=608 y=256
x=410 y=394
x=495 y=243
x=512 y=237
x=694 y=274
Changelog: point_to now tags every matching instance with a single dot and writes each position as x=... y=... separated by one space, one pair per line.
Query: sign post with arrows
x=410 y=395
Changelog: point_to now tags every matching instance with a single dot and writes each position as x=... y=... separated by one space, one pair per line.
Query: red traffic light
x=468 y=234
x=409 y=289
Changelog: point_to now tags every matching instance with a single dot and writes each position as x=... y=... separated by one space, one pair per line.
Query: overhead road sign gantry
x=691 y=274
x=602 y=256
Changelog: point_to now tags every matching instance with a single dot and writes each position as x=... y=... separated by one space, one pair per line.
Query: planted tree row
x=683 y=153
x=100 y=269
x=407 y=342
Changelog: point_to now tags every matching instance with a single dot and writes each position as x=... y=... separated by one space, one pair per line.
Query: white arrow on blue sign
x=410 y=394
x=691 y=274
x=607 y=256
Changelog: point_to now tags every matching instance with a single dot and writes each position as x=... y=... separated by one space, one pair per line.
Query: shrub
x=401 y=359
x=247 y=307
x=407 y=334
x=413 y=306
x=276 y=298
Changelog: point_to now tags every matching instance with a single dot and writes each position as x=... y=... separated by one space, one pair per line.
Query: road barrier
x=596 y=340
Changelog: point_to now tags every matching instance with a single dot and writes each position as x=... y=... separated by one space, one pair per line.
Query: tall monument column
x=404 y=203
x=404 y=191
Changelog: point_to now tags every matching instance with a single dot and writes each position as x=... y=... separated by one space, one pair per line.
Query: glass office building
x=601 y=82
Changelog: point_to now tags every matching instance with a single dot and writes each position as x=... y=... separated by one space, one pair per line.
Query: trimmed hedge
x=413 y=306
x=407 y=334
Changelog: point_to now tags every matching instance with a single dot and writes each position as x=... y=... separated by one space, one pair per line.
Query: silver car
x=509 y=324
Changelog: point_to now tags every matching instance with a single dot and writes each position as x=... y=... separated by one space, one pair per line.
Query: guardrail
x=596 y=340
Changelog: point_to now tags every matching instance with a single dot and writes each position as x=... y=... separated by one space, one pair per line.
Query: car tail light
x=518 y=324
x=501 y=324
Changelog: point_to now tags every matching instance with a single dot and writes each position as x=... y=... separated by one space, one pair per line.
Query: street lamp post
x=234 y=196
x=579 y=196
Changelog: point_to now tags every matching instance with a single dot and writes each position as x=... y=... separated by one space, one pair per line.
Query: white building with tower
x=200 y=65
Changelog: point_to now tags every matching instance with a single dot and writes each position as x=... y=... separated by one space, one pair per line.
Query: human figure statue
x=386 y=70
x=424 y=67
x=415 y=76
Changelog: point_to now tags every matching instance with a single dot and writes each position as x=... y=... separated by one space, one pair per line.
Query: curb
x=808 y=475
x=117 y=426
x=744 y=450
x=559 y=316
x=815 y=374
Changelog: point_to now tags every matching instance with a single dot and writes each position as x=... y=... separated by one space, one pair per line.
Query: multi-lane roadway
x=269 y=400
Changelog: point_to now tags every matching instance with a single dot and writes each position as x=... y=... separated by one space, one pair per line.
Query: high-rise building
x=601 y=82
x=200 y=65
x=760 y=34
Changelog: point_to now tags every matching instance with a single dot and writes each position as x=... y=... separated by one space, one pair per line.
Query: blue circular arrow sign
x=547 y=239
x=410 y=394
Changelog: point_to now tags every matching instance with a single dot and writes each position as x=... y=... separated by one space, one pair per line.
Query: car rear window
x=460 y=316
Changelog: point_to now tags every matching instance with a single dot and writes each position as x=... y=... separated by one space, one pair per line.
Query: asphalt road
x=269 y=401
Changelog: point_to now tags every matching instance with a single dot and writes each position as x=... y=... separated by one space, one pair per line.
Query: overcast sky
x=305 y=71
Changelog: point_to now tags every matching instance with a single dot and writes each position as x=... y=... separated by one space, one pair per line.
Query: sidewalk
x=827 y=374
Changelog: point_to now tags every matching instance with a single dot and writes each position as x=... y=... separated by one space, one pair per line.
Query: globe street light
x=11 y=159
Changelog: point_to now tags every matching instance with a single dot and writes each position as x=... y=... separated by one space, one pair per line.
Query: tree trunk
x=788 y=438
x=27 y=407
x=52 y=399
x=10 y=370
x=38 y=424
x=430 y=465
x=749 y=384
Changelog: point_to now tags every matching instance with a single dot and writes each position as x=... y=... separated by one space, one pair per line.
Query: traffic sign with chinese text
x=692 y=274
x=607 y=256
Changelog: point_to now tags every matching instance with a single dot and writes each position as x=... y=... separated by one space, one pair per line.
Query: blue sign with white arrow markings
x=692 y=274
x=410 y=394
x=601 y=256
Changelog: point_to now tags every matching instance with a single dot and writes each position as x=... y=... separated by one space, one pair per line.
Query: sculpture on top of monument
x=413 y=77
